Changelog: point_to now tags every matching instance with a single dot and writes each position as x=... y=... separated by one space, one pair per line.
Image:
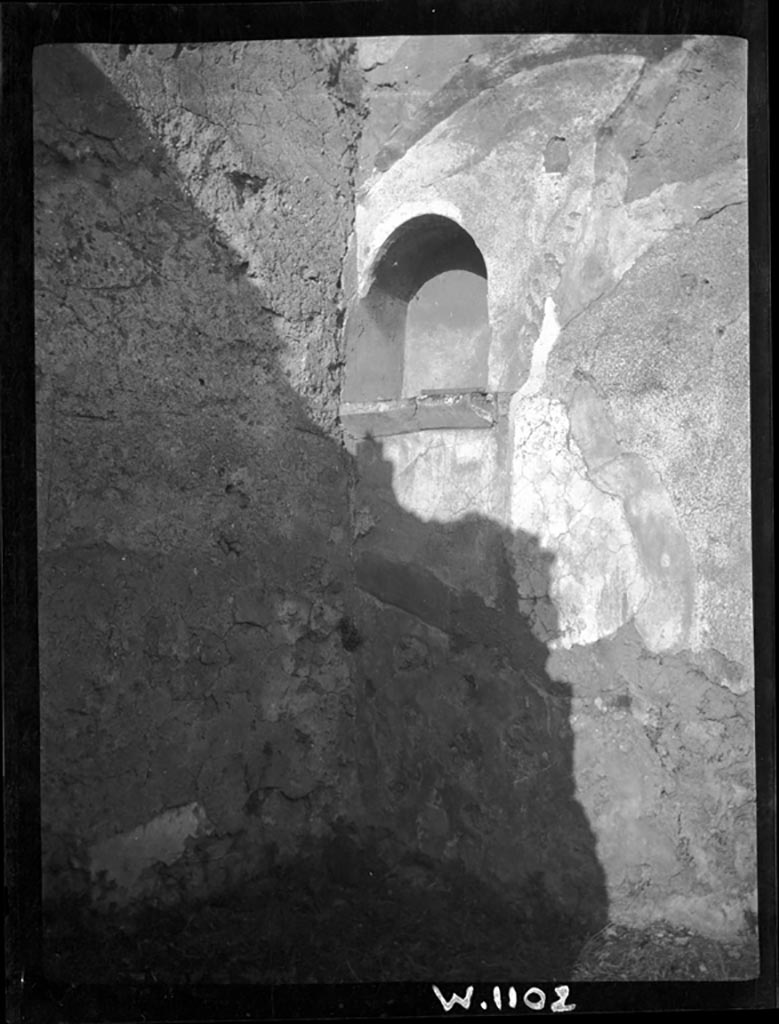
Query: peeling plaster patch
x=550 y=332
x=607 y=517
x=124 y=858
x=597 y=579
x=665 y=615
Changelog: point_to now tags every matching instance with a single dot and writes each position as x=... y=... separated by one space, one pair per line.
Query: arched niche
x=423 y=326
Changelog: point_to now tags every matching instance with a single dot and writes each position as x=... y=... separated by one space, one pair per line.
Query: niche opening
x=423 y=327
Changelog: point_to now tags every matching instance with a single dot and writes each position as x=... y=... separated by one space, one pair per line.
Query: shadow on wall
x=219 y=632
x=465 y=742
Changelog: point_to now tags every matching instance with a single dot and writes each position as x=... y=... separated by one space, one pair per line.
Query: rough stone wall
x=192 y=210
x=263 y=136
x=604 y=181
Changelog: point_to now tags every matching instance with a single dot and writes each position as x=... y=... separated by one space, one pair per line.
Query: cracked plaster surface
x=596 y=580
x=602 y=512
x=581 y=231
x=500 y=134
x=613 y=523
x=620 y=325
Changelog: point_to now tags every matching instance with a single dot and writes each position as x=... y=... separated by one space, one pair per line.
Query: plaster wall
x=604 y=181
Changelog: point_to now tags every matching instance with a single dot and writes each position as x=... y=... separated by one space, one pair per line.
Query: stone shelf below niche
x=432 y=410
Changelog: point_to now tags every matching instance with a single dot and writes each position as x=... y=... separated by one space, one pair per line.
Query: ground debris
x=661 y=952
